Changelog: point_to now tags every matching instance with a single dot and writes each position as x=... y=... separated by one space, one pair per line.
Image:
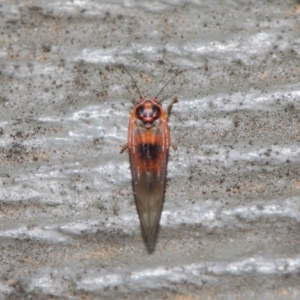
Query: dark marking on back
x=149 y=151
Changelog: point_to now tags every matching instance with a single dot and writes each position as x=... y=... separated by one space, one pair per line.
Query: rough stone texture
x=230 y=223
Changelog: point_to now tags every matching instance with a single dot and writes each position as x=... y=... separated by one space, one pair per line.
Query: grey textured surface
x=230 y=223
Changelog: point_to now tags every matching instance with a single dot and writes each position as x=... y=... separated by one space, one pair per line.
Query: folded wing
x=148 y=149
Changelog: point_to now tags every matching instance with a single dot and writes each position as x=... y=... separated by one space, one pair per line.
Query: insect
x=148 y=145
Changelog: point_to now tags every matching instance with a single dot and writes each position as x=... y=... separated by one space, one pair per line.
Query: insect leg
x=175 y=100
x=175 y=148
x=123 y=148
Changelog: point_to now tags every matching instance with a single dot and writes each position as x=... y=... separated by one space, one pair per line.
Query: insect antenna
x=133 y=81
x=169 y=82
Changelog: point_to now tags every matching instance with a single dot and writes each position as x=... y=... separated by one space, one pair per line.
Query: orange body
x=148 y=144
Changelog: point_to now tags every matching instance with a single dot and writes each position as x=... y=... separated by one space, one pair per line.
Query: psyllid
x=148 y=145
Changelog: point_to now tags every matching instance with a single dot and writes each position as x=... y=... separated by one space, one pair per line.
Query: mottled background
x=230 y=223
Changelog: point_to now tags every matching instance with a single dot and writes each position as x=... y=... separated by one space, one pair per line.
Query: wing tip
x=149 y=221
x=150 y=239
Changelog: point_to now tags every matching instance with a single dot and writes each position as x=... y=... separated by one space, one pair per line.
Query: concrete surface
x=230 y=223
